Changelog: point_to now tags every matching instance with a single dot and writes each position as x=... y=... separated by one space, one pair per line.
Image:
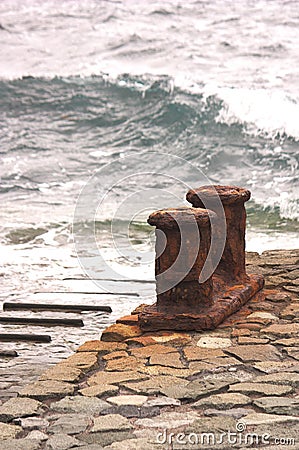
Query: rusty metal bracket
x=183 y=239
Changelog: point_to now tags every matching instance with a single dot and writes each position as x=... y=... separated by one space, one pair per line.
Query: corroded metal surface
x=188 y=304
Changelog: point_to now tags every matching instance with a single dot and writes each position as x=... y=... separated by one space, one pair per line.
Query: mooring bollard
x=183 y=241
x=232 y=263
x=183 y=237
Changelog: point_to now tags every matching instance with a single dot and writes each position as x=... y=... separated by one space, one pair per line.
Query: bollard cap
x=184 y=215
x=228 y=195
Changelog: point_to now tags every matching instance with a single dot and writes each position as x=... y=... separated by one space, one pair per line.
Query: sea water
x=130 y=103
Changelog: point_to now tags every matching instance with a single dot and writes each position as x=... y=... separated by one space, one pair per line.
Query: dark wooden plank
x=41 y=321
x=14 y=337
x=12 y=306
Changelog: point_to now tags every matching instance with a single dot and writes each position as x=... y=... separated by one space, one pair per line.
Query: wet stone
x=70 y=424
x=61 y=442
x=79 y=404
x=261 y=388
x=257 y=352
x=278 y=405
x=19 y=407
x=223 y=401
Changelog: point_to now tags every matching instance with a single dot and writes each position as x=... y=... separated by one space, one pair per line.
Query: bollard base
x=226 y=301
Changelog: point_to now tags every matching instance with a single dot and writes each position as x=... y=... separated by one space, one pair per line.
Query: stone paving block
x=106 y=438
x=70 y=424
x=281 y=330
x=169 y=420
x=223 y=401
x=46 y=389
x=102 y=377
x=119 y=332
x=169 y=359
x=125 y=364
x=20 y=444
x=278 y=405
x=289 y=378
x=102 y=348
x=61 y=442
x=236 y=413
x=162 y=401
x=81 y=360
x=99 y=390
x=31 y=423
x=199 y=354
x=150 y=350
x=19 y=407
x=135 y=444
x=110 y=422
x=214 y=342
x=165 y=385
x=262 y=418
x=214 y=364
x=277 y=366
x=9 y=431
x=134 y=400
x=249 y=353
x=199 y=388
x=37 y=436
x=79 y=404
x=165 y=370
x=62 y=373
x=261 y=388
x=115 y=355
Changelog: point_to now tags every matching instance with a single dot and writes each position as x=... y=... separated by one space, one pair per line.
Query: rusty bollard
x=232 y=263
x=183 y=238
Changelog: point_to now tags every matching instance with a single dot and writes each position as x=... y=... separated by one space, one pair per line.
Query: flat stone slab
x=135 y=444
x=162 y=401
x=277 y=366
x=119 y=332
x=32 y=423
x=9 y=431
x=101 y=347
x=62 y=373
x=124 y=400
x=214 y=342
x=20 y=444
x=102 y=377
x=278 y=405
x=236 y=413
x=261 y=388
x=280 y=330
x=19 y=407
x=288 y=378
x=150 y=350
x=165 y=385
x=258 y=352
x=261 y=418
x=61 y=442
x=110 y=422
x=169 y=420
x=169 y=359
x=223 y=401
x=46 y=389
x=70 y=424
x=80 y=404
x=98 y=390
x=129 y=363
x=200 y=354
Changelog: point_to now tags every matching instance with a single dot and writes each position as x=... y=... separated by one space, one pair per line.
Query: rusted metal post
x=183 y=238
x=232 y=264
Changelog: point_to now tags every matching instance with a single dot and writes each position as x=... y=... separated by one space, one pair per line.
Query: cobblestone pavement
x=234 y=387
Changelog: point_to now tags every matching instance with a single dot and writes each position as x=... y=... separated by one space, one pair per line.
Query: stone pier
x=130 y=389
